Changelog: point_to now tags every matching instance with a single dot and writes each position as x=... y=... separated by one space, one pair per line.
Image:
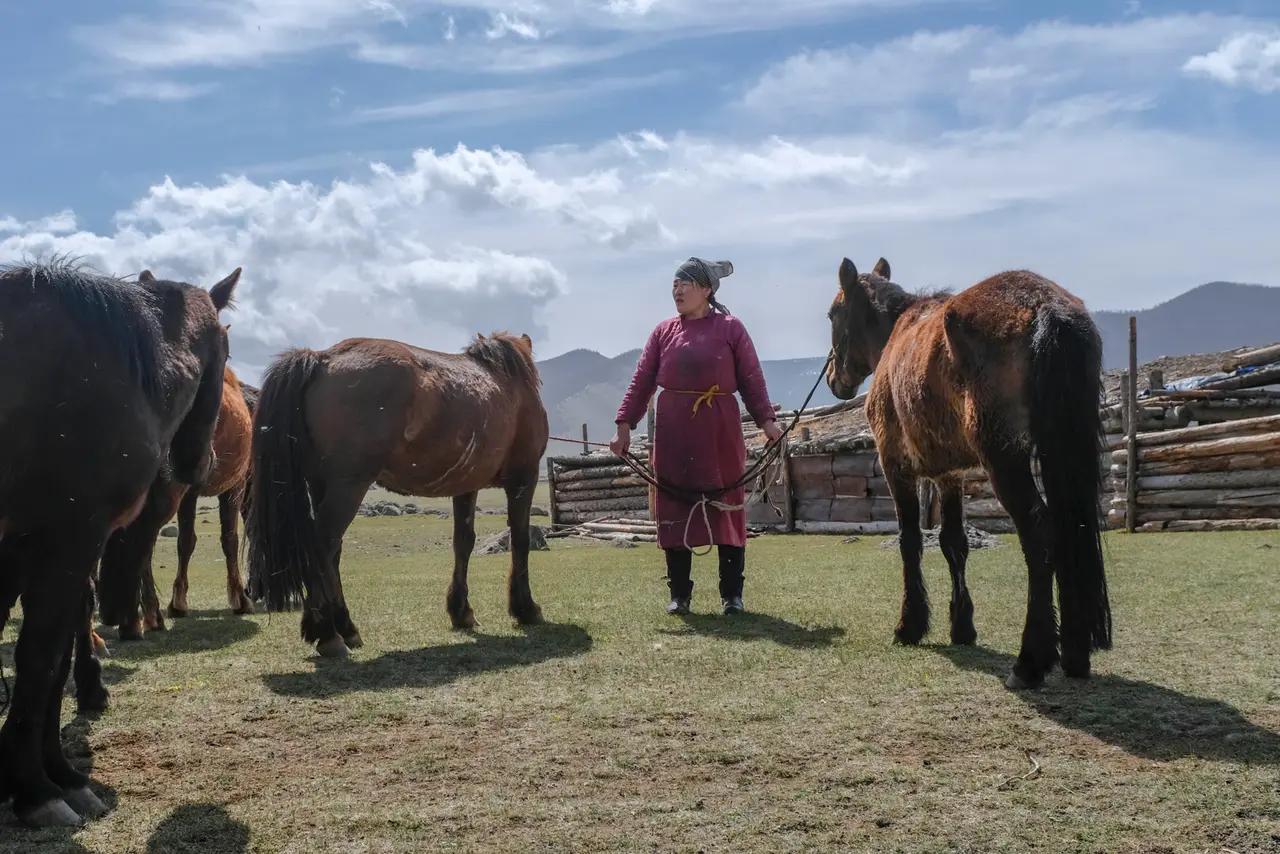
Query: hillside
x=1213 y=317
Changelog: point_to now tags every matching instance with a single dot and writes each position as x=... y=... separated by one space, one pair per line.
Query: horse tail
x=284 y=556
x=1066 y=427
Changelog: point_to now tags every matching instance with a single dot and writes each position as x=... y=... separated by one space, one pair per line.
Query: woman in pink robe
x=699 y=358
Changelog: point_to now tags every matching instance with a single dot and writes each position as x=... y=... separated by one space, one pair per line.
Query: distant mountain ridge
x=583 y=386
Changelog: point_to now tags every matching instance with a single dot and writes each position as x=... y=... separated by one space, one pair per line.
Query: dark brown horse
x=331 y=424
x=102 y=384
x=1003 y=373
x=126 y=573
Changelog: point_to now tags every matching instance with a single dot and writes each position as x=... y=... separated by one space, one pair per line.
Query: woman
x=699 y=358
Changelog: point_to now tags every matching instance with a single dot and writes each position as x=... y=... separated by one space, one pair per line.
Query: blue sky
x=426 y=170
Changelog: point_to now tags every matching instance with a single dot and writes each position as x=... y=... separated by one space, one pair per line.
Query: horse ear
x=849 y=278
x=882 y=269
x=223 y=292
x=145 y=278
x=855 y=293
x=527 y=340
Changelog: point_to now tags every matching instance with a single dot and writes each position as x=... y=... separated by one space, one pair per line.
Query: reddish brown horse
x=102 y=383
x=126 y=572
x=1004 y=372
x=330 y=424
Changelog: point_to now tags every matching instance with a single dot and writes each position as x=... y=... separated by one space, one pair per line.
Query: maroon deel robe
x=698 y=441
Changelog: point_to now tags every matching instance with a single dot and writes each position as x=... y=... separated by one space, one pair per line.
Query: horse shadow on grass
x=203 y=828
x=751 y=626
x=433 y=666
x=199 y=631
x=1141 y=718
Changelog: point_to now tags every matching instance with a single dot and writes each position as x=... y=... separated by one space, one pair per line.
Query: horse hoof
x=532 y=617
x=85 y=802
x=354 y=641
x=94 y=701
x=244 y=608
x=334 y=647
x=177 y=613
x=1075 y=669
x=1017 y=683
x=54 y=813
x=907 y=637
x=966 y=636
x=131 y=633
x=466 y=621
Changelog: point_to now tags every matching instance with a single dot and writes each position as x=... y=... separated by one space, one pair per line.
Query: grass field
x=615 y=727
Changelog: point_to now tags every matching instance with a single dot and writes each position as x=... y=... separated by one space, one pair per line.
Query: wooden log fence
x=1159 y=472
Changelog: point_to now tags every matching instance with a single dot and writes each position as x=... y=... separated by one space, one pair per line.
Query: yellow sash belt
x=708 y=397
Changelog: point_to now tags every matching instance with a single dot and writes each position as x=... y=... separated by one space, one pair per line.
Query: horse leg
x=125 y=574
x=520 y=602
x=464 y=540
x=32 y=766
x=186 y=547
x=152 y=619
x=955 y=548
x=229 y=517
x=329 y=624
x=913 y=624
x=1010 y=473
x=91 y=694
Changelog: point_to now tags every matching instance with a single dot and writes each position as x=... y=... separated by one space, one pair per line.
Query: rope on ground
x=1030 y=775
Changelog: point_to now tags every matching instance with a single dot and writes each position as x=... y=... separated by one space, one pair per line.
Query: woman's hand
x=621 y=440
x=772 y=431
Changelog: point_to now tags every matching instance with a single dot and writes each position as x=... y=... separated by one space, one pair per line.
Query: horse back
x=956 y=372
x=80 y=433
x=418 y=421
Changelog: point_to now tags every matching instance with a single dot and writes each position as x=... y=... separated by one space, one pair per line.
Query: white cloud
x=482 y=106
x=59 y=223
x=1248 y=60
x=452 y=244
x=155 y=90
x=236 y=33
x=501 y=24
x=988 y=74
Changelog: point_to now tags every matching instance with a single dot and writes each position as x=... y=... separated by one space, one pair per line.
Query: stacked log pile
x=1212 y=477
x=586 y=489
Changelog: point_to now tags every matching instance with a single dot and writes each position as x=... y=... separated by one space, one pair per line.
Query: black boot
x=679 y=580
x=732 y=562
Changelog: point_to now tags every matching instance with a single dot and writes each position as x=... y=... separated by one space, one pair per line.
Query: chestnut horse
x=1003 y=373
x=332 y=423
x=126 y=572
x=102 y=384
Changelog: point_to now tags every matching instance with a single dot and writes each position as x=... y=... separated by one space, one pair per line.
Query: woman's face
x=690 y=297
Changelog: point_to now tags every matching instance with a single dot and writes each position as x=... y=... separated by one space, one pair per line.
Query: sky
x=425 y=171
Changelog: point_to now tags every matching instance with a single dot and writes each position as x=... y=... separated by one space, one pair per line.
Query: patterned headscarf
x=705 y=273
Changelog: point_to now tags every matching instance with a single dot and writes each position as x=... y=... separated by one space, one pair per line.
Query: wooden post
x=1131 y=427
x=1155 y=380
x=586 y=448
x=551 y=486
x=804 y=434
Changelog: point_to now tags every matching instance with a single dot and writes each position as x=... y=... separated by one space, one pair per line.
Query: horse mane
x=120 y=313
x=506 y=354
x=891 y=299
